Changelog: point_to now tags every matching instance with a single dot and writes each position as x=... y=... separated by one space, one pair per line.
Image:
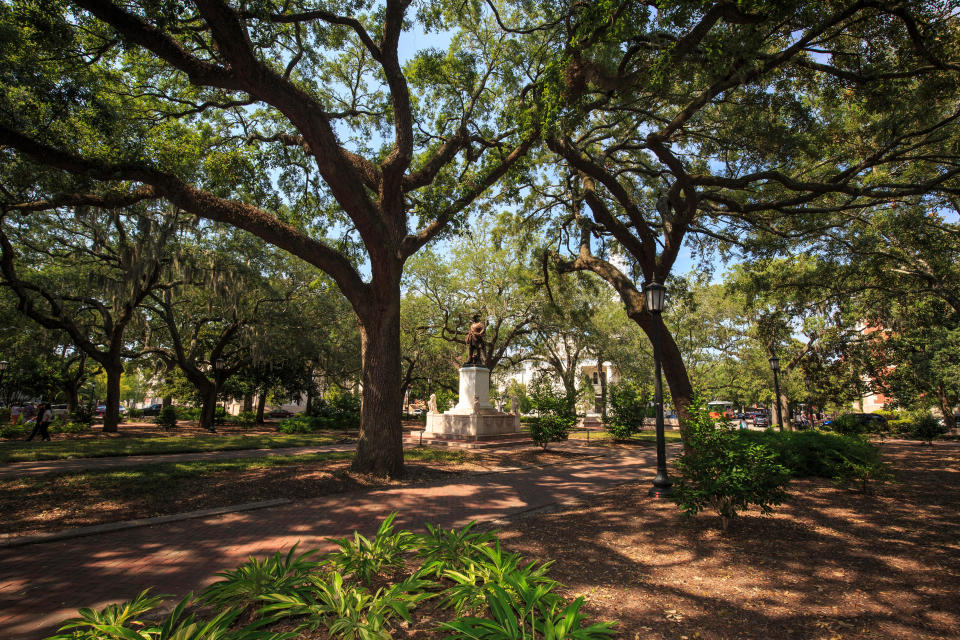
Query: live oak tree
x=86 y=274
x=736 y=125
x=299 y=122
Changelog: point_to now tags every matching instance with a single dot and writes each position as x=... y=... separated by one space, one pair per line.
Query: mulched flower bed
x=830 y=564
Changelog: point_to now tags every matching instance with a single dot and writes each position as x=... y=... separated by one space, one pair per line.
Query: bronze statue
x=475 y=342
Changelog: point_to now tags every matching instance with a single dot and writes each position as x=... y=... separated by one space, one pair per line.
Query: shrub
x=301 y=423
x=243 y=586
x=628 y=411
x=8 y=430
x=365 y=558
x=442 y=550
x=82 y=414
x=64 y=426
x=726 y=472
x=167 y=418
x=554 y=409
x=134 y=413
x=551 y=428
x=188 y=413
x=927 y=428
x=246 y=419
x=841 y=458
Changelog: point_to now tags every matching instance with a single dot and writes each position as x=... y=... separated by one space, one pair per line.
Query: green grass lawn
x=644 y=436
x=163 y=477
x=102 y=448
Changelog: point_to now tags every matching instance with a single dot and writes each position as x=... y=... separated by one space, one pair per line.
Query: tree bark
x=111 y=415
x=380 y=447
x=248 y=403
x=208 y=411
x=261 y=405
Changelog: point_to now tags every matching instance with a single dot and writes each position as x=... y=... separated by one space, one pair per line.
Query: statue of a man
x=475 y=342
x=432 y=403
x=514 y=405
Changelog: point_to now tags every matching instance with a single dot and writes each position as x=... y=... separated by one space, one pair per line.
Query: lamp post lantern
x=775 y=367
x=654 y=295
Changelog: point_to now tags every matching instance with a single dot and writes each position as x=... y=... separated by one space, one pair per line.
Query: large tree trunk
x=946 y=407
x=111 y=416
x=247 y=402
x=602 y=373
x=261 y=406
x=208 y=412
x=380 y=447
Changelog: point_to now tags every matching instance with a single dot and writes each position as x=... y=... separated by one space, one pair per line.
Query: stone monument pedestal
x=474 y=418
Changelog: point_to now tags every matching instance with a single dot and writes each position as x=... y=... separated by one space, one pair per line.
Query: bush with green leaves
x=248 y=583
x=132 y=621
x=167 y=418
x=365 y=558
x=134 y=413
x=551 y=428
x=301 y=423
x=14 y=431
x=60 y=425
x=246 y=419
x=188 y=413
x=555 y=415
x=444 y=549
x=725 y=472
x=628 y=410
x=926 y=428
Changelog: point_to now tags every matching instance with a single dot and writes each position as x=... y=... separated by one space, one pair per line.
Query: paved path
x=40 y=467
x=41 y=585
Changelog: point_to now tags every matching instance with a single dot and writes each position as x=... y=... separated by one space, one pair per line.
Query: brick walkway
x=41 y=585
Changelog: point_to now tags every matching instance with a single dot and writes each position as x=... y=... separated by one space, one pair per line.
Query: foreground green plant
x=246 y=584
x=365 y=558
x=127 y=621
x=450 y=549
x=521 y=610
x=724 y=472
x=347 y=611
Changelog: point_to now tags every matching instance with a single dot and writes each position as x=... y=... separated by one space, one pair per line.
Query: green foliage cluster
x=725 y=472
x=845 y=459
x=491 y=593
x=302 y=423
x=859 y=423
x=13 y=431
x=555 y=416
x=246 y=419
x=927 y=428
x=68 y=426
x=628 y=410
x=167 y=418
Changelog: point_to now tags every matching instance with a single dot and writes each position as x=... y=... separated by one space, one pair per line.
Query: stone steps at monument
x=430 y=440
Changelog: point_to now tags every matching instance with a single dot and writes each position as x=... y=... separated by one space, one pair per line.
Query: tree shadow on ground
x=831 y=563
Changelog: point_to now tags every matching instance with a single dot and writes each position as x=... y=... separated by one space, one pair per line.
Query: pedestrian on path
x=44 y=418
x=15 y=414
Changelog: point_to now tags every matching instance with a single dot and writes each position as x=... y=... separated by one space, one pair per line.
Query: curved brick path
x=43 y=584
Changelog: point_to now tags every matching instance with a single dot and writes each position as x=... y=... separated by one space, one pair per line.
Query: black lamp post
x=775 y=367
x=654 y=294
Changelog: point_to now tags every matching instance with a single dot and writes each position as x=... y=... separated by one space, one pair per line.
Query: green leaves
x=722 y=471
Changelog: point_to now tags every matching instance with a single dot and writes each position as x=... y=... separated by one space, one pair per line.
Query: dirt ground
x=50 y=503
x=830 y=564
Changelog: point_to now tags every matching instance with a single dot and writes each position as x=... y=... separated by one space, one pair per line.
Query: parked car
x=59 y=410
x=278 y=413
x=761 y=420
x=102 y=409
x=152 y=410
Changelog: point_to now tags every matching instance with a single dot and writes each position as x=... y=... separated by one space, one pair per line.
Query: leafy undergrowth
x=457 y=584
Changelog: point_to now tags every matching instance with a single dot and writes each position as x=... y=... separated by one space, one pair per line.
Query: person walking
x=44 y=418
x=15 y=414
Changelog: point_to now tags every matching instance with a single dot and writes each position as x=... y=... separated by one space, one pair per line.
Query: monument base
x=474 y=418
